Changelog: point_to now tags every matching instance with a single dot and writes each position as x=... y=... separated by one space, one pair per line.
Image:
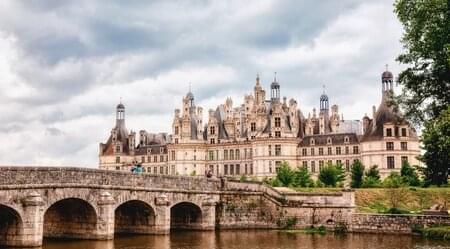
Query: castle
x=253 y=139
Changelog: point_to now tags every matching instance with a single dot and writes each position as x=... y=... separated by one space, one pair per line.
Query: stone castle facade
x=254 y=138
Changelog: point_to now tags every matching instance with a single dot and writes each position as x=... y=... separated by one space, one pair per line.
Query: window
x=161 y=158
x=176 y=140
x=155 y=170
x=403 y=132
x=404 y=159
x=277 y=150
x=270 y=166
x=277 y=122
x=389 y=145
x=251 y=169
x=338 y=162
x=172 y=169
x=225 y=155
x=246 y=172
x=390 y=162
x=231 y=169
x=346 y=139
x=270 y=150
x=245 y=153
x=155 y=159
x=347 y=165
x=320 y=165
x=311 y=141
x=253 y=126
x=143 y=159
x=304 y=152
x=225 y=169
x=404 y=145
x=176 y=130
x=330 y=151
x=320 y=151
x=211 y=155
x=161 y=170
x=313 y=166
x=213 y=141
x=118 y=149
x=388 y=132
x=355 y=150
x=149 y=159
x=238 y=154
x=312 y=151
x=117 y=159
x=346 y=150
x=338 y=150
x=212 y=130
x=305 y=164
x=238 y=169
x=277 y=133
x=231 y=154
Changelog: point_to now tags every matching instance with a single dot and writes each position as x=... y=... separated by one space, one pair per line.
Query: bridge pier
x=162 y=210
x=208 y=215
x=105 y=219
x=30 y=234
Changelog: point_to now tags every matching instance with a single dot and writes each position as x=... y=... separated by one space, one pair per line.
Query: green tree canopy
x=330 y=175
x=371 y=178
x=357 y=174
x=436 y=143
x=285 y=174
x=426 y=41
x=302 y=178
x=409 y=175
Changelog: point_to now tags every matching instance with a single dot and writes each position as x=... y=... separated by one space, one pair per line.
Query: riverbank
x=377 y=200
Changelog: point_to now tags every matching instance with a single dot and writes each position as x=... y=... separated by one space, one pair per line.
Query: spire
x=387 y=82
x=120 y=113
x=257 y=79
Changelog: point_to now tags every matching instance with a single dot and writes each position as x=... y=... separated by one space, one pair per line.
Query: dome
x=386 y=75
x=323 y=97
x=120 y=106
x=274 y=85
x=189 y=95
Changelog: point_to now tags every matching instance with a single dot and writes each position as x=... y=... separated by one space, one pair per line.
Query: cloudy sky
x=64 y=65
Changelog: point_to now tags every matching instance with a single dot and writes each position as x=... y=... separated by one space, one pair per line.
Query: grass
x=375 y=200
x=413 y=201
x=311 y=230
x=437 y=232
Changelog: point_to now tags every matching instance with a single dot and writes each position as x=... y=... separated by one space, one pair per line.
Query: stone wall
x=393 y=223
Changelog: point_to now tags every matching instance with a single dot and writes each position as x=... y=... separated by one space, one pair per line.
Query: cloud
x=64 y=65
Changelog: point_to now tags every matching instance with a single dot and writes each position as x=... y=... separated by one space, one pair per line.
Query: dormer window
x=328 y=140
x=212 y=130
x=346 y=140
x=277 y=122
x=312 y=142
x=404 y=132
x=253 y=126
x=176 y=130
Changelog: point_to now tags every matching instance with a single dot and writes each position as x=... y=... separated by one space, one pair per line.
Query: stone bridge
x=37 y=202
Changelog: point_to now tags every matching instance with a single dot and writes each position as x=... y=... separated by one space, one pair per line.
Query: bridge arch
x=10 y=225
x=70 y=218
x=134 y=217
x=185 y=216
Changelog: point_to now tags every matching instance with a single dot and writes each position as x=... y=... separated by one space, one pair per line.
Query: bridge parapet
x=13 y=176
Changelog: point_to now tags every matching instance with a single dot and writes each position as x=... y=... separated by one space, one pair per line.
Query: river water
x=253 y=240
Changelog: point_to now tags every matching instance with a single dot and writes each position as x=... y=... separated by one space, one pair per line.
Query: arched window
x=329 y=140
x=312 y=142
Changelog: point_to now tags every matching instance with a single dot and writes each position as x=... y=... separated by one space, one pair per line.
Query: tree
x=357 y=174
x=373 y=172
x=436 y=143
x=371 y=178
x=426 y=41
x=285 y=175
x=409 y=175
x=302 y=178
x=395 y=192
x=331 y=175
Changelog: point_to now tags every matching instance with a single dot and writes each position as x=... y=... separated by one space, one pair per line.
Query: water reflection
x=253 y=240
